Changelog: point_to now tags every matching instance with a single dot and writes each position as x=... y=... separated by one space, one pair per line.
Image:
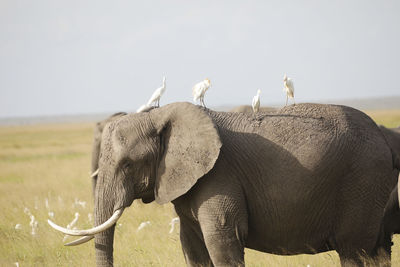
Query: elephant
x=392 y=209
x=249 y=109
x=393 y=138
x=307 y=179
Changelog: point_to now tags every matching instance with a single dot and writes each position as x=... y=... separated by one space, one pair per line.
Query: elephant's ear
x=190 y=146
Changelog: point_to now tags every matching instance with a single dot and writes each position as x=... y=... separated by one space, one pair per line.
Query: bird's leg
x=286 y=99
x=158 y=103
x=294 y=102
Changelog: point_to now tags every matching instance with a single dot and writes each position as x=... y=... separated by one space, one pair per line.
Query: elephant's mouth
x=148 y=199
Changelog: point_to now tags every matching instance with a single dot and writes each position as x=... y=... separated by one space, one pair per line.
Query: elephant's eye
x=126 y=167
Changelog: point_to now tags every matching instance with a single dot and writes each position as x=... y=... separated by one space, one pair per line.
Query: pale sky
x=69 y=57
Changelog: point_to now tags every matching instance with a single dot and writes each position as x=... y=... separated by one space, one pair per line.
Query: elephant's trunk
x=104 y=243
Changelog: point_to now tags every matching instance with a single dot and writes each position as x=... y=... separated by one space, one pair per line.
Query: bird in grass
x=155 y=97
x=142 y=225
x=172 y=223
x=288 y=88
x=199 y=90
x=256 y=102
x=72 y=224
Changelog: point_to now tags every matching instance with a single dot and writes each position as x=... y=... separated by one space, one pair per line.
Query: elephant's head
x=154 y=155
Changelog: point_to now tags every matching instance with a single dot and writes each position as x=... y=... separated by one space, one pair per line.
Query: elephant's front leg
x=226 y=245
x=224 y=225
x=193 y=246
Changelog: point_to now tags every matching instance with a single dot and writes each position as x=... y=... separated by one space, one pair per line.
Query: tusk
x=94 y=174
x=80 y=241
x=95 y=230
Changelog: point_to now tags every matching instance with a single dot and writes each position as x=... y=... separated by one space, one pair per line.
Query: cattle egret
x=18 y=226
x=288 y=88
x=27 y=211
x=172 y=223
x=71 y=224
x=90 y=217
x=142 y=108
x=199 y=90
x=256 y=102
x=36 y=203
x=79 y=203
x=34 y=224
x=155 y=97
x=142 y=225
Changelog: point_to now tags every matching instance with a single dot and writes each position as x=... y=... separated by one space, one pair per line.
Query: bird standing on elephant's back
x=288 y=88
x=199 y=90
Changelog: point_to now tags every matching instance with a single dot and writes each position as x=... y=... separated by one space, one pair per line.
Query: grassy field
x=45 y=168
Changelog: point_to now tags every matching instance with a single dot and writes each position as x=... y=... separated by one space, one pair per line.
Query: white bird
x=199 y=90
x=142 y=108
x=172 y=223
x=155 y=97
x=46 y=203
x=79 y=203
x=90 y=217
x=18 y=226
x=256 y=102
x=27 y=211
x=288 y=88
x=71 y=224
x=143 y=225
x=34 y=224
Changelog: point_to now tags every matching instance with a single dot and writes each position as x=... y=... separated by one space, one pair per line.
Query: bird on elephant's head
x=283 y=183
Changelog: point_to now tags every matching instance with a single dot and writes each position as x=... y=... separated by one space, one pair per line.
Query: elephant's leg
x=224 y=224
x=347 y=260
x=382 y=257
x=362 y=259
x=193 y=246
x=225 y=248
x=356 y=250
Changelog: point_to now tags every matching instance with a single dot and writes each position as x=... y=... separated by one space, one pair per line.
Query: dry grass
x=388 y=118
x=52 y=162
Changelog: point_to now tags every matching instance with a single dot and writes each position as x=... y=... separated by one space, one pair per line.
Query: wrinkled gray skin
x=392 y=211
x=98 y=131
x=249 y=109
x=310 y=179
x=97 y=135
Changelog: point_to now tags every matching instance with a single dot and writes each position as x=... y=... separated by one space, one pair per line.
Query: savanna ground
x=50 y=164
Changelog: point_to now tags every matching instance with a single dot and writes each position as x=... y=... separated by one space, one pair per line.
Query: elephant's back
x=308 y=159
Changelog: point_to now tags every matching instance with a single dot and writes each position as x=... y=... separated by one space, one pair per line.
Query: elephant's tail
x=396 y=165
x=396 y=160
